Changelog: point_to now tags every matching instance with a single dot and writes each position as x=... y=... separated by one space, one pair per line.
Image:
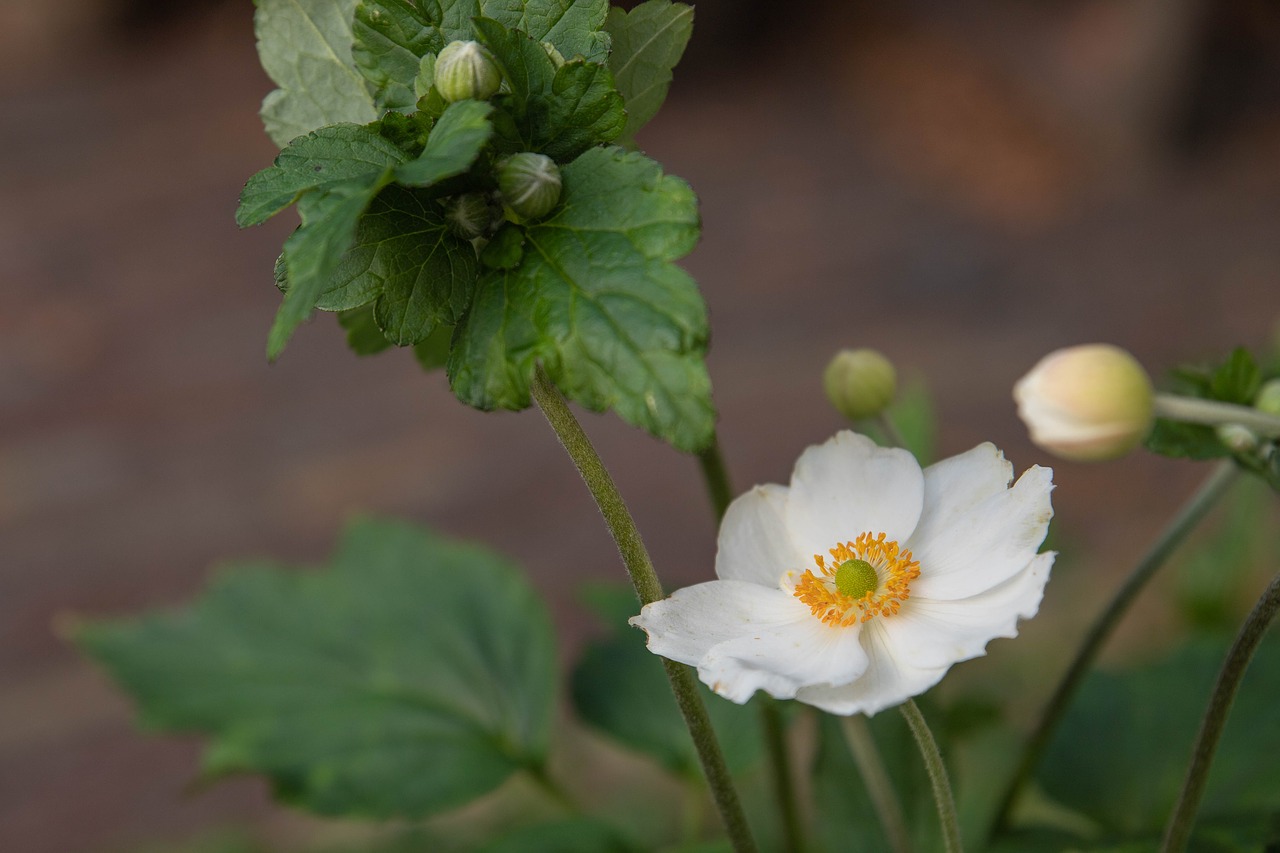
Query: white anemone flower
x=859 y=586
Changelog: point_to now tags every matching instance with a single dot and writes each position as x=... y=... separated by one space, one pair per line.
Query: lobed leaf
x=411 y=676
x=575 y=27
x=648 y=42
x=391 y=37
x=305 y=47
x=596 y=299
x=455 y=142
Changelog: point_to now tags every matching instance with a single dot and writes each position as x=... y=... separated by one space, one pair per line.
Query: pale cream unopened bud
x=860 y=383
x=1086 y=403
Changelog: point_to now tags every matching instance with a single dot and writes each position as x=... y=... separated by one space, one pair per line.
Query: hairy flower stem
x=937 y=776
x=716 y=476
x=1196 y=411
x=857 y=734
x=1178 y=832
x=648 y=589
x=1191 y=513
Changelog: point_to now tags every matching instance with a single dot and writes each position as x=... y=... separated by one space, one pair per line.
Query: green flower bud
x=468 y=216
x=1268 y=399
x=860 y=383
x=464 y=69
x=1237 y=438
x=1086 y=403
x=530 y=184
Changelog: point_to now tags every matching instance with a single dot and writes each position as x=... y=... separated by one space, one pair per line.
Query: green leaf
x=318 y=161
x=1237 y=380
x=432 y=352
x=391 y=37
x=411 y=676
x=597 y=300
x=575 y=27
x=1122 y=749
x=406 y=260
x=647 y=44
x=1185 y=441
x=363 y=335
x=313 y=252
x=620 y=688
x=505 y=249
x=575 y=835
x=559 y=113
x=453 y=145
x=305 y=47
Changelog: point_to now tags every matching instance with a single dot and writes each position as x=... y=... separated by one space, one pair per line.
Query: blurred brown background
x=964 y=186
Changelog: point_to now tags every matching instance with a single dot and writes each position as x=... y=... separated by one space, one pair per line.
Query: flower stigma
x=870 y=576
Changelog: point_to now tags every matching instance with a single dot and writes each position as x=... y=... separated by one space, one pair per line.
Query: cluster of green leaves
x=410 y=676
x=1236 y=379
x=373 y=156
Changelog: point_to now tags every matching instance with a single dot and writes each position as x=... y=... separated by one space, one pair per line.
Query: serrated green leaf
x=363 y=335
x=318 y=161
x=411 y=676
x=647 y=44
x=391 y=37
x=597 y=300
x=455 y=141
x=1237 y=380
x=505 y=249
x=575 y=27
x=1122 y=749
x=620 y=688
x=559 y=113
x=313 y=252
x=1181 y=440
x=405 y=258
x=305 y=47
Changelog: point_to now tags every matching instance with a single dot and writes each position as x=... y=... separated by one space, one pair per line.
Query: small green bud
x=1086 y=403
x=1237 y=438
x=464 y=69
x=1268 y=399
x=860 y=383
x=530 y=184
x=557 y=58
x=468 y=216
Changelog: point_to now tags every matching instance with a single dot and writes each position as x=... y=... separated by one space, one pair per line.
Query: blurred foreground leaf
x=412 y=675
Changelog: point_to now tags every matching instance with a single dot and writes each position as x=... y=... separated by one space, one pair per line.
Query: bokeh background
x=963 y=186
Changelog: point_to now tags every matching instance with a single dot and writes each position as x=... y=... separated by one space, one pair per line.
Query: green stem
x=1213 y=413
x=890 y=429
x=1246 y=643
x=648 y=589
x=1191 y=513
x=716 y=476
x=857 y=734
x=937 y=776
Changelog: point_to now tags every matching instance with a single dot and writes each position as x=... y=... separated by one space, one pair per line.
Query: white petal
x=754 y=544
x=931 y=633
x=745 y=637
x=986 y=543
x=955 y=486
x=888 y=680
x=849 y=486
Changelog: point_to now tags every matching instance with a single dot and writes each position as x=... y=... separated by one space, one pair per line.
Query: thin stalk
x=937 y=776
x=1246 y=643
x=1187 y=517
x=716 y=476
x=1211 y=412
x=857 y=734
x=648 y=589
x=890 y=429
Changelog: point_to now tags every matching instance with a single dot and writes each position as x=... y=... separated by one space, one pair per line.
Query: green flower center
x=856 y=578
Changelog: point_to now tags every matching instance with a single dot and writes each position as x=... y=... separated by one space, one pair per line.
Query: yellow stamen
x=895 y=570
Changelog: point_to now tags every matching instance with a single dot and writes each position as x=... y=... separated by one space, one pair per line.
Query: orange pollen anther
x=895 y=570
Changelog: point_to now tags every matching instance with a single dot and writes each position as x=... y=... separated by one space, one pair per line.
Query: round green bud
x=464 y=69
x=468 y=216
x=1268 y=399
x=860 y=383
x=529 y=184
x=856 y=578
x=1086 y=403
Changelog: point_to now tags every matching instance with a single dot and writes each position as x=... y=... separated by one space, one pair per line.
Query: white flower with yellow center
x=860 y=585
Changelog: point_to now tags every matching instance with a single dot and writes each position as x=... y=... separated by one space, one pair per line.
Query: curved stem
x=890 y=429
x=715 y=475
x=648 y=588
x=857 y=734
x=937 y=776
x=1246 y=643
x=1191 y=513
x=1212 y=413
